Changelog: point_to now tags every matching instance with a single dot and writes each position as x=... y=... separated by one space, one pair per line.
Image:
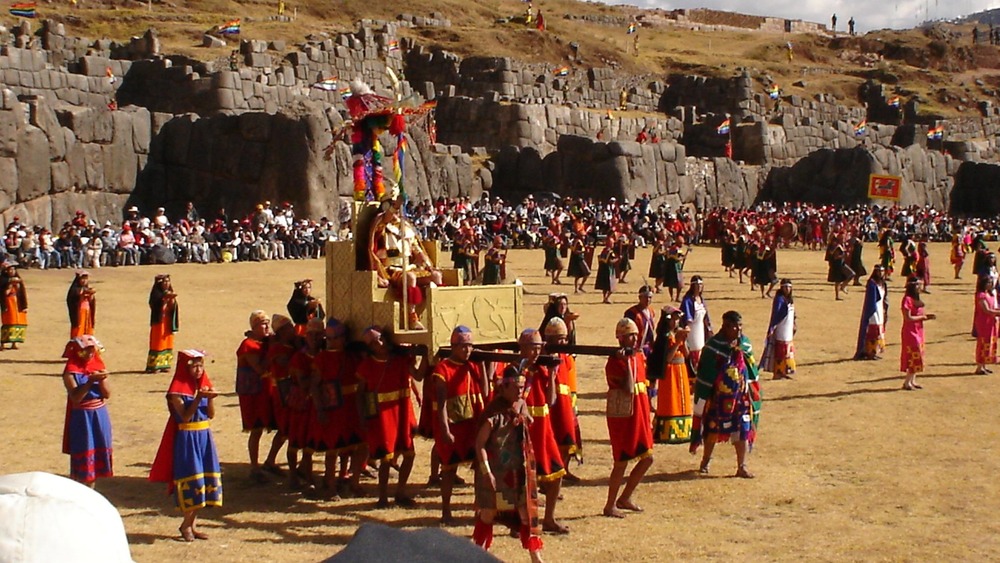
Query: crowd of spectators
x=266 y=234
x=275 y=233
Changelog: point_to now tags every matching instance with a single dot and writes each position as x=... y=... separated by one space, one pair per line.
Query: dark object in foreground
x=378 y=542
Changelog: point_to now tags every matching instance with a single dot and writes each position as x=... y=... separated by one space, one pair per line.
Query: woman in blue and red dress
x=87 y=432
x=187 y=459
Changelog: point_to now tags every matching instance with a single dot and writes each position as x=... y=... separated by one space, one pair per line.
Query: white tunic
x=785 y=329
x=696 y=338
x=878 y=316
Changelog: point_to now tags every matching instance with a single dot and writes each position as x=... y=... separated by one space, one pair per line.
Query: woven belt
x=640 y=387
x=539 y=411
x=394 y=395
x=200 y=425
x=563 y=389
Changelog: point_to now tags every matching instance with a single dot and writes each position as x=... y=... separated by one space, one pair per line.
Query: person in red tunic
x=384 y=376
x=540 y=395
x=337 y=429
x=301 y=410
x=280 y=348
x=254 y=391
x=564 y=423
x=629 y=428
x=458 y=385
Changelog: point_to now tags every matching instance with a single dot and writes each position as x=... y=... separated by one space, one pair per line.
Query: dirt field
x=849 y=467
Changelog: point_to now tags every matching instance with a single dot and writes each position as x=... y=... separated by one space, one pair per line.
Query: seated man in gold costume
x=394 y=244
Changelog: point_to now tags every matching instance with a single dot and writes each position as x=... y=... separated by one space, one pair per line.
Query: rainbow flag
x=328 y=84
x=23 y=9
x=232 y=27
x=893 y=101
x=393 y=45
x=936 y=133
x=774 y=92
x=723 y=128
x=345 y=92
x=561 y=71
x=631 y=28
x=861 y=128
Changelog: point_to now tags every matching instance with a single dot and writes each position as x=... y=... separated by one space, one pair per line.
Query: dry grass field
x=849 y=467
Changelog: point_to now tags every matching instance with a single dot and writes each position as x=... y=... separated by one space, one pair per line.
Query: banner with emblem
x=884 y=187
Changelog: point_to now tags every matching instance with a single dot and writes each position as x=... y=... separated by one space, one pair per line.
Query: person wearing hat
x=254 y=391
x=87 y=430
x=187 y=459
x=540 y=395
x=301 y=410
x=303 y=306
x=779 y=351
x=338 y=429
x=667 y=366
x=456 y=399
x=82 y=305
x=628 y=415
x=393 y=242
x=726 y=395
x=384 y=379
x=505 y=479
x=911 y=350
x=164 y=321
x=565 y=425
x=874 y=314
x=13 y=307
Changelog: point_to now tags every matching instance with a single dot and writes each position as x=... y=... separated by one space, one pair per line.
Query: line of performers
x=515 y=421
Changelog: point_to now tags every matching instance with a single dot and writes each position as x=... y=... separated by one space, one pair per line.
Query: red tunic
x=391 y=430
x=278 y=358
x=464 y=405
x=338 y=419
x=549 y=462
x=256 y=408
x=563 y=417
x=301 y=412
x=631 y=437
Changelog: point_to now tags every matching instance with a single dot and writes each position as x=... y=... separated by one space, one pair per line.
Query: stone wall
x=56 y=157
x=481 y=122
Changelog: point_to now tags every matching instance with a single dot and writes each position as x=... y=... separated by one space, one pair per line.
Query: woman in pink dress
x=911 y=356
x=984 y=326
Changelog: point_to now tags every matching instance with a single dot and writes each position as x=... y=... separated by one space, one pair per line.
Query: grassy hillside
x=939 y=64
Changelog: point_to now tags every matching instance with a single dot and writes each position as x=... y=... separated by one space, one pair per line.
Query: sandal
x=613 y=513
x=628 y=505
x=199 y=535
x=744 y=473
x=703 y=468
x=186 y=534
x=555 y=528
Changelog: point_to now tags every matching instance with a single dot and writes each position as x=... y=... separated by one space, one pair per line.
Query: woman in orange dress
x=13 y=307
x=672 y=424
x=163 y=323
x=82 y=305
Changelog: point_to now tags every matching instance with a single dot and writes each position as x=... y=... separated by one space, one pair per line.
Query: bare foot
x=627 y=504
x=555 y=528
x=613 y=513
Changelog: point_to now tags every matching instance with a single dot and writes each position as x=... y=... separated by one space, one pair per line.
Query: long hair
x=913 y=288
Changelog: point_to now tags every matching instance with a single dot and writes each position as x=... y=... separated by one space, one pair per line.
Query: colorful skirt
x=89 y=442
x=986 y=350
x=672 y=424
x=197 y=474
x=161 y=347
x=874 y=340
x=911 y=357
x=784 y=358
x=13 y=333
